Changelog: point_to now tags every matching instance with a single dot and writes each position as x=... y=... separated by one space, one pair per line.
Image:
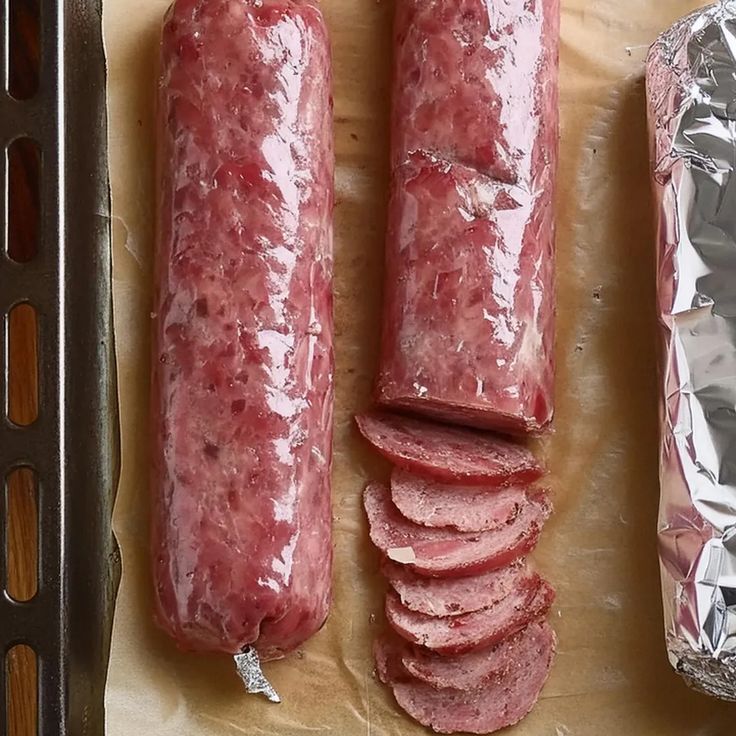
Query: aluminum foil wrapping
x=691 y=90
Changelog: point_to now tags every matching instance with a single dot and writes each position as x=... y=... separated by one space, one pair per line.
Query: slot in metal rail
x=73 y=445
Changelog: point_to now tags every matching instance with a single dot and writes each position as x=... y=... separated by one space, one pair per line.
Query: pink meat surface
x=469 y=307
x=476 y=82
x=447 y=453
x=242 y=335
x=497 y=703
x=475 y=669
x=471 y=631
x=447 y=553
x=468 y=315
x=466 y=508
x=454 y=596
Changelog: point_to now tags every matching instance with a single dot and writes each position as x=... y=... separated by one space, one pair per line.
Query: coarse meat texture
x=474 y=669
x=471 y=631
x=476 y=82
x=497 y=703
x=455 y=596
x=242 y=395
x=448 y=454
x=466 y=508
x=468 y=327
x=468 y=312
x=447 y=553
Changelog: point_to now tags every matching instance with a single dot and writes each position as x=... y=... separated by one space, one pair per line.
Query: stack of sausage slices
x=469 y=648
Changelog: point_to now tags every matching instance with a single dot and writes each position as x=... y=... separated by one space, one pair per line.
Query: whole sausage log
x=242 y=342
x=469 y=306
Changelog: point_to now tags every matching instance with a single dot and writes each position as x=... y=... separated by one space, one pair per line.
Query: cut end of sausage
x=464 y=416
x=471 y=631
x=447 y=453
x=458 y=346
x=444 y=552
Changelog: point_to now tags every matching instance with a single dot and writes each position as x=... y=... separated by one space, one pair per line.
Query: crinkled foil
x=248 y=666
x=691 y=89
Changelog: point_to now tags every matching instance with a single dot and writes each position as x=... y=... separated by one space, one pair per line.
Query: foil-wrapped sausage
x=691 y=89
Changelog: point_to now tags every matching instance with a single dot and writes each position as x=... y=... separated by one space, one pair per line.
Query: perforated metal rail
x=72 y=445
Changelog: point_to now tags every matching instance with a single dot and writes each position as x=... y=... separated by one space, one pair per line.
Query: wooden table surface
x=21 y=511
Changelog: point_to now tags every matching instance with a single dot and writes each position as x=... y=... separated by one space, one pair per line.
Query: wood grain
x=21 y=496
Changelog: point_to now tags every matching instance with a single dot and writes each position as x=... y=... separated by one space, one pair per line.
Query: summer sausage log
x=469 y=80
x=242 y=340
x=469 y=312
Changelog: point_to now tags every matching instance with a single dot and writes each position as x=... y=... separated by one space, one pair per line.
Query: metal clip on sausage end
x=248 y=664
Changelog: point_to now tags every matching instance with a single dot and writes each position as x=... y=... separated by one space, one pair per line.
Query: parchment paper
x=612 y=675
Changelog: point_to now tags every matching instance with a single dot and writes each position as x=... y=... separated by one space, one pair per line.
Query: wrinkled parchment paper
x=612 y=674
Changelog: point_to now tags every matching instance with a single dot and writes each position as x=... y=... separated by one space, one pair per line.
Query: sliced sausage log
x=469 y=308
